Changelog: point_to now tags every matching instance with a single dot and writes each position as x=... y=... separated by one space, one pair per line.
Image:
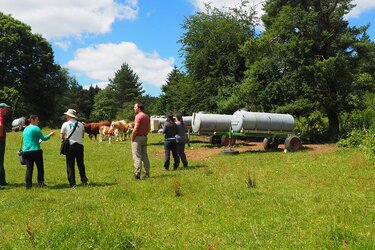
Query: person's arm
x=42 y=137
x=62 y=132
x=1 y=129
x=135 y=131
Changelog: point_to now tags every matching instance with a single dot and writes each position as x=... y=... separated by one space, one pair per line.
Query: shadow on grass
x=91 y=184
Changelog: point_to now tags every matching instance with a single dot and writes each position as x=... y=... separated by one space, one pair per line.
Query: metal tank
x=243 y=121
x=157 y=122
x=187 y=121
x=209 y=123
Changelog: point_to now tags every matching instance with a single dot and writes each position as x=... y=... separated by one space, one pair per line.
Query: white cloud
x=362 y=5
x=56 y=19
x=65 y=45
x=101 y=62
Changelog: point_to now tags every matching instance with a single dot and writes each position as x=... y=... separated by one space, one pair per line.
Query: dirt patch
x=200 y=153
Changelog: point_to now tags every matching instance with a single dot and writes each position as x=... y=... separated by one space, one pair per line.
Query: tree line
x=306 y=61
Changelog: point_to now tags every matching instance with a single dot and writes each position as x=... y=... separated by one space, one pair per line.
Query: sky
x=93 y=38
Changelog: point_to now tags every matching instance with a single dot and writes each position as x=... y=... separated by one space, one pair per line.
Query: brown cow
x=120 y=127
x=106 y=132
x=92 y=129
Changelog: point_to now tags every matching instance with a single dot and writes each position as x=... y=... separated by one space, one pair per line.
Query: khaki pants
x=139 y=151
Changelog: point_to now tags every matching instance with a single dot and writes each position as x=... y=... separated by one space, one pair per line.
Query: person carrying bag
x=65 y=144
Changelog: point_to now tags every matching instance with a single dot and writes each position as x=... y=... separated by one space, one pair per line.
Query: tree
x=308 y=55
x=117 y=99
x=211 y=46
x=126 y=87
x=104 y=103
x=27 y=65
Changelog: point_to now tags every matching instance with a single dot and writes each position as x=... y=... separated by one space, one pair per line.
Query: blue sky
x=92 y=38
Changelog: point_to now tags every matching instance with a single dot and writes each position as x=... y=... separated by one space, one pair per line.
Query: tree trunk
x=333 y=125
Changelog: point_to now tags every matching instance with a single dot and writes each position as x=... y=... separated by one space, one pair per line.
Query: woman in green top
x=32 y=151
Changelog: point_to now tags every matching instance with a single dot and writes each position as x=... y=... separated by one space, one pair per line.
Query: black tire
x=215 y=139
x=225 y=140
x=293 y=143
x=268 y=144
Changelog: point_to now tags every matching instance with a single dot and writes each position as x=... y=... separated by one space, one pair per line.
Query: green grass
x=254 y=200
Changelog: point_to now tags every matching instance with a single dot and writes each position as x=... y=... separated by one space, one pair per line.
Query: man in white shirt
x=76 y=151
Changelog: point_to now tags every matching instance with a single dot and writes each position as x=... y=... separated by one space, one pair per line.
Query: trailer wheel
x=268 y=144
x=215 y=139
x=293 y=143
x=225 y=140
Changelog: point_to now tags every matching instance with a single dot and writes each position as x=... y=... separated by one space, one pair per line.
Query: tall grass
x=299 y=201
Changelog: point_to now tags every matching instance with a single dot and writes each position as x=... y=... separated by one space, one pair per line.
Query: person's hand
x=52 y=133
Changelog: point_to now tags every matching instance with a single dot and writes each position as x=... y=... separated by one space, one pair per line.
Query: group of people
x=32 y=153
x=73 y=130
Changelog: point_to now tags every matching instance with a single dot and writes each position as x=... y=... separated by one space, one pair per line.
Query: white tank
x=255 y=121
x=187 y=121
x=209 y=123
x=157 y=122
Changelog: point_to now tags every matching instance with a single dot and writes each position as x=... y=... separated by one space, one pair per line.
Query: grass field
x=254 y=200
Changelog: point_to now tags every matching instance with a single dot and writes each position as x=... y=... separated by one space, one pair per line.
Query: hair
x=140 y=106
x=179 y=118
x=32 y=117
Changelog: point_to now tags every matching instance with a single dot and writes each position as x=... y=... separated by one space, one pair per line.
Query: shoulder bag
x=65 y=144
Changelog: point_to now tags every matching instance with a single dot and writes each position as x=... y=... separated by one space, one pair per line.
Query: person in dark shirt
x=3 y=111
x=170 y=144
x=181 y=140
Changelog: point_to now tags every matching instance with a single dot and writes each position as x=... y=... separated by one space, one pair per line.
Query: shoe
x=4 y=184
x=85 y=183
x=28 y=187
x=166 y=169
x=136 y=177
x=73 y=185
x=185 y=167
x=175 y=168
x=145 y=176
x=42 y=184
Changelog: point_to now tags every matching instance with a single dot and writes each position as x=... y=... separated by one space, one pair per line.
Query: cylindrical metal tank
x=209 y=123
x=187 y=122
x=256 y=121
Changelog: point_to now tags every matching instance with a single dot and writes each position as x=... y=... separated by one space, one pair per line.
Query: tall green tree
x=307 y=59
x=211 y=47
x=27 y=65
x=126 y=88
x=176 y=94
x=117 y=99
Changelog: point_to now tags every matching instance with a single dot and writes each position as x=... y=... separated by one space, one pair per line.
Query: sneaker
x=42 y=184
x=4 y=184
x=73 y=185
x=145 y=176
x=136 y=177
x=85 y=183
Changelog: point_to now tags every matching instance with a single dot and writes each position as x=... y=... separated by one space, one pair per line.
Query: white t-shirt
x=68 y=127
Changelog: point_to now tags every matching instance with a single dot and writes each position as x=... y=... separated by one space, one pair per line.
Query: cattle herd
x=115 y=130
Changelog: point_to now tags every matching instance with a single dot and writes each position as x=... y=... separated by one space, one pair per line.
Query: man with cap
x=75 y=130
x=3 y=111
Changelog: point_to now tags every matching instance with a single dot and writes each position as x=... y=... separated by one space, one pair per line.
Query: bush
x=364 y=138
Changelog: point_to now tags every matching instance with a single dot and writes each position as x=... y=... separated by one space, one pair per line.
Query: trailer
x=275 y=129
